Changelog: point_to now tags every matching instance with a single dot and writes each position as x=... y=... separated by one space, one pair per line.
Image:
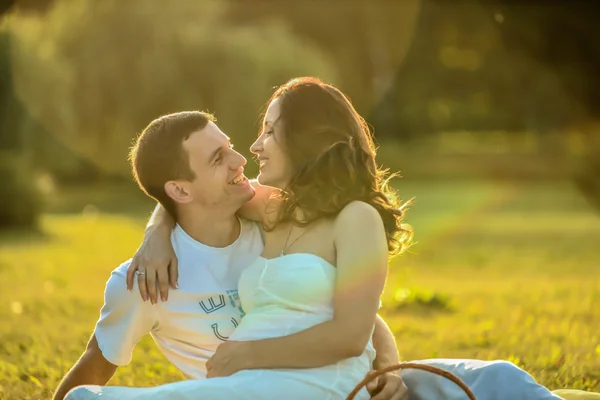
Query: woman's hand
x=388 y=386
x=228 y=359
x=154 y=264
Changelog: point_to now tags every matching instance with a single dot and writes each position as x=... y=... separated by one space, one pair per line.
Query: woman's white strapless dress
x=280 y=296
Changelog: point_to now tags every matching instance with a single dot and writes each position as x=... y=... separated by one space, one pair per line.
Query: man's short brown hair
x=158 y=155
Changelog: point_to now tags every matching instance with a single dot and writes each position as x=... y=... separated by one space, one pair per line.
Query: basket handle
x=408 y=365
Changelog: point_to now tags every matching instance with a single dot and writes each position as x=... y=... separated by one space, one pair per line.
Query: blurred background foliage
x=477 y=89
x=490 y=109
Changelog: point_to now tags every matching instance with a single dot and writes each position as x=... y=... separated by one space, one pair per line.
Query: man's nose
x=239 y=160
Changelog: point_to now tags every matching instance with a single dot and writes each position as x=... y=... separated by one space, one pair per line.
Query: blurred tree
x=37 y=6
x=587 y=177
x=428 y=65
x=561 y=37
x=366 y=39
x=467 y=69
x=20 y=201
x=95 y=73
x=5 y=6
x=412 y=68
x=8 y=140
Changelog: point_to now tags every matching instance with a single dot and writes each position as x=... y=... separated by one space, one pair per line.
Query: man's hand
x=388 y=386
x=229 y=358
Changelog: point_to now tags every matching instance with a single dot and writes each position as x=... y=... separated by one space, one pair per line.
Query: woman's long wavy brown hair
x=333 y=160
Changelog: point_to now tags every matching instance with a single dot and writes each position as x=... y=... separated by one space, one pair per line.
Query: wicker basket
x=408 y=365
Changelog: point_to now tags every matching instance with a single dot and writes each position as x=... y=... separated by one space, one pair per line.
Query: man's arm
x=124 y=320
x=91 y=369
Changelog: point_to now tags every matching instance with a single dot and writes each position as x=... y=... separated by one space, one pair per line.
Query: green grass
x=500 y=271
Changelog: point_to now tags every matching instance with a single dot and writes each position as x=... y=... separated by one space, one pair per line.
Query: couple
x=310 y=273
x=304 y=323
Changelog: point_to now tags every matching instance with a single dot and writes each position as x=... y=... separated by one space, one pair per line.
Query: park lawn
x=499 y=271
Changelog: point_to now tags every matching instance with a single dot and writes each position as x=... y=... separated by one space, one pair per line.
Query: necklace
x=285 y=245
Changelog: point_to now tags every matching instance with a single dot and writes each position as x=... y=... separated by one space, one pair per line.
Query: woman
x=327 y=233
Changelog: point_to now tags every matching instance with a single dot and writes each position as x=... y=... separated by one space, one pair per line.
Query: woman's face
x=275 y=165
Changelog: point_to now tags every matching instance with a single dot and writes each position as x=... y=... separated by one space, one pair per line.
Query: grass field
x=509 y=271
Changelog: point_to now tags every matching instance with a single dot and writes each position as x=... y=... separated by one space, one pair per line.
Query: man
x=189 y=166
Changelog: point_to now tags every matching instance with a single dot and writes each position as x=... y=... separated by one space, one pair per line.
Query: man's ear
x=179 y=191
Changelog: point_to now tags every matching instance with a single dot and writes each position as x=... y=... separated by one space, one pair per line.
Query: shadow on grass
x=19 y=236
x=121 y=198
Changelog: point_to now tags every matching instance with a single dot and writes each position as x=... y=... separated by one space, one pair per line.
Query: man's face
x=219 y=170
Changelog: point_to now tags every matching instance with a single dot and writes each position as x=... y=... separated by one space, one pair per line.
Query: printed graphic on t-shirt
x=234 y=299
x=228 y=304
x=220 y=335
x=213 y=303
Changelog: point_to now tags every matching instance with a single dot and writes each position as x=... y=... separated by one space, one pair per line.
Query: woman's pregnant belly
x=265 y=323
x=336 y=380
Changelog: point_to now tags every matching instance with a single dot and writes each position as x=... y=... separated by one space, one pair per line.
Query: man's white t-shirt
x=197 y=317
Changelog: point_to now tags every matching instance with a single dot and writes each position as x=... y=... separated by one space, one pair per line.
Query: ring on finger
x=140 y=273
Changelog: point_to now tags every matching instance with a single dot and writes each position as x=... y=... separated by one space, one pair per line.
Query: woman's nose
x=256 y=146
